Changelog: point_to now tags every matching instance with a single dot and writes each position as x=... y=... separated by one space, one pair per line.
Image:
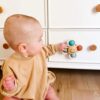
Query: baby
x=25 y=73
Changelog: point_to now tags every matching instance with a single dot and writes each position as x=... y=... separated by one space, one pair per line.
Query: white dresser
x=76 y=20
x=62 y=20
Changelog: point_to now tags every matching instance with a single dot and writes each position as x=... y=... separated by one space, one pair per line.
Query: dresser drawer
x=4 y=51
x=29 y=7
x=73 y=14
x=86 y=38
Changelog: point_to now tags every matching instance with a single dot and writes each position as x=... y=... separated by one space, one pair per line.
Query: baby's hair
x=21 y=16
x=16 y=20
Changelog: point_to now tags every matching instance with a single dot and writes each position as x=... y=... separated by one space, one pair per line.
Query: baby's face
x=35 y=45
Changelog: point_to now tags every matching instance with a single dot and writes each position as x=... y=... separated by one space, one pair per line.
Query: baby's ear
x=22 y=48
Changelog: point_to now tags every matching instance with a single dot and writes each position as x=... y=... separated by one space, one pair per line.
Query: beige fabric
x=32 y=75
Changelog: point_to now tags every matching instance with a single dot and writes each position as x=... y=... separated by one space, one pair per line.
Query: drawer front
x=6 y=52
x=29 y=7
x=73 y=14
x=86 y=38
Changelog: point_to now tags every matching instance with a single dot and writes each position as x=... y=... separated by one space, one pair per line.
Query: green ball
x=71 y=42
x=73 y=55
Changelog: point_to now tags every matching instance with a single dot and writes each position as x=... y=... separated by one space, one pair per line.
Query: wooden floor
x=77 y=84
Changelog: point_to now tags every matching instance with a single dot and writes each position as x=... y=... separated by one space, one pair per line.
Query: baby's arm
x=53 y=48
x=9 y=83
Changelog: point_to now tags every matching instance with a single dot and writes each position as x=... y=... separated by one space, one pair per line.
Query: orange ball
x=79 y=47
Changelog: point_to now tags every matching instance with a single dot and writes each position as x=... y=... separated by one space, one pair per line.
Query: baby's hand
x=62 y=46
x=9 y=83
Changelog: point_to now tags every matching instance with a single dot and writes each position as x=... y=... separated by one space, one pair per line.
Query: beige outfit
x=31 y=73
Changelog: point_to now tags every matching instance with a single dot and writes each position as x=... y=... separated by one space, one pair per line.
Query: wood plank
x=77 y=84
